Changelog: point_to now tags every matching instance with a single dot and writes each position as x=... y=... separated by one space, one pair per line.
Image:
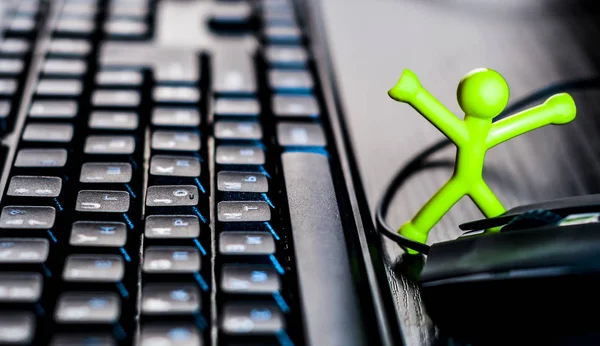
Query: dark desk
x=531 y=42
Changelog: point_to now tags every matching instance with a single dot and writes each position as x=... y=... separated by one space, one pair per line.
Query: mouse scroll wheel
x=532 y=219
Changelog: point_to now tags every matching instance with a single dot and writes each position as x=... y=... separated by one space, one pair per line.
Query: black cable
x=418 y=162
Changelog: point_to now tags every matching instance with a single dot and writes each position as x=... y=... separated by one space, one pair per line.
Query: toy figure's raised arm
x=408 y=89
x=558 y=109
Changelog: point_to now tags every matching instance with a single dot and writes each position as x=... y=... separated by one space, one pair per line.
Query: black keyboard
x=174 y=177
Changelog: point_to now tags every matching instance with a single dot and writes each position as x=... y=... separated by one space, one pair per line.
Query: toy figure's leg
x=418 y=228
x=486 y=200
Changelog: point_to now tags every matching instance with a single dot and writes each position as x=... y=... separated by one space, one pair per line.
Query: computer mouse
x=537 y=277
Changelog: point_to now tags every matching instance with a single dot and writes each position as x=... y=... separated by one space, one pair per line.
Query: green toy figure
x=482 y=94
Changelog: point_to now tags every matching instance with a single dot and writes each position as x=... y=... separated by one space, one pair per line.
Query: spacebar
x=327 y=294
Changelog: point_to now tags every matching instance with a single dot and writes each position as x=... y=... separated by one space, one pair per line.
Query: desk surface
x=532 y=43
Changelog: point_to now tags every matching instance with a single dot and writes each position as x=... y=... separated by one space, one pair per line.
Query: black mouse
x=539 y=276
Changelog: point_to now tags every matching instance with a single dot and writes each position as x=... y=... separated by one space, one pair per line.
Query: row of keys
x=23 y=18
x=176 y=268
x=15 y=54
x=124 y=20
x=303 y=106
x=251 y=292
x=84 y=195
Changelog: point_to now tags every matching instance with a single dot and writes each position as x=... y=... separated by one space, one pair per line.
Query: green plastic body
x=482 y=94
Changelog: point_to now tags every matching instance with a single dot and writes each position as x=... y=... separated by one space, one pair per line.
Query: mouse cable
x=418 y=161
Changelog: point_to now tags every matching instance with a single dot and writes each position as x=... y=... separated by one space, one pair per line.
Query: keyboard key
x=8 y=87
x=94 y=268
x=233 y=73
x=98 y=233
x=116 y=98
x=11 y=66
x=169 y=260
x=293 y=81
x=245 y=279
x=238 y=130
x=28 y=7
x=75 y=26
x=20 y=287
x=277 y=5
x=176 y=94
x=175 y=117
x=23 y=250
x=59 y=87
x=125 y=28
x=284 y=34
x=175 y=140
x=170 y=299
x=240 y=155
x=53 y=109
x=69 y=47
x=27 y=217
x=172 y=226
x=22 y=25
x=242 y=182
x=102 y=201
x=105 y=144
x=310 y=191
x=14 y=46
x=105 y=172
x=34 y=186
x=236 y=107
x=300 y=134
x=88 y=307
x=286 y=56
x=251 y=318
x=172 y=195
x=170 y=334
x=41 y=158
x=55 y=133
x=295 y=106
x=124 y=10
x=120 y=78
x=79 y=9
x=175 y=67
x=109 y=120
x=246 y=243
x=175 y=166
x=64 y=67
x=231 y=13
x=238 y=211
x=78 y=339
x=4 y=109
x=16 y=328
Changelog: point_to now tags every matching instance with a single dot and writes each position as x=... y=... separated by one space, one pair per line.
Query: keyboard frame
x=359 y=226
x=364 y=245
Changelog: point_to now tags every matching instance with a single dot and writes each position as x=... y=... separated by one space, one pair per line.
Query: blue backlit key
x=170 y=299
x=88 y=307
x=251 y=318
x=94 y=268
x=168 y=260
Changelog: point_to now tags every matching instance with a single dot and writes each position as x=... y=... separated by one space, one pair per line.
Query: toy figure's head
x=482 y=93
